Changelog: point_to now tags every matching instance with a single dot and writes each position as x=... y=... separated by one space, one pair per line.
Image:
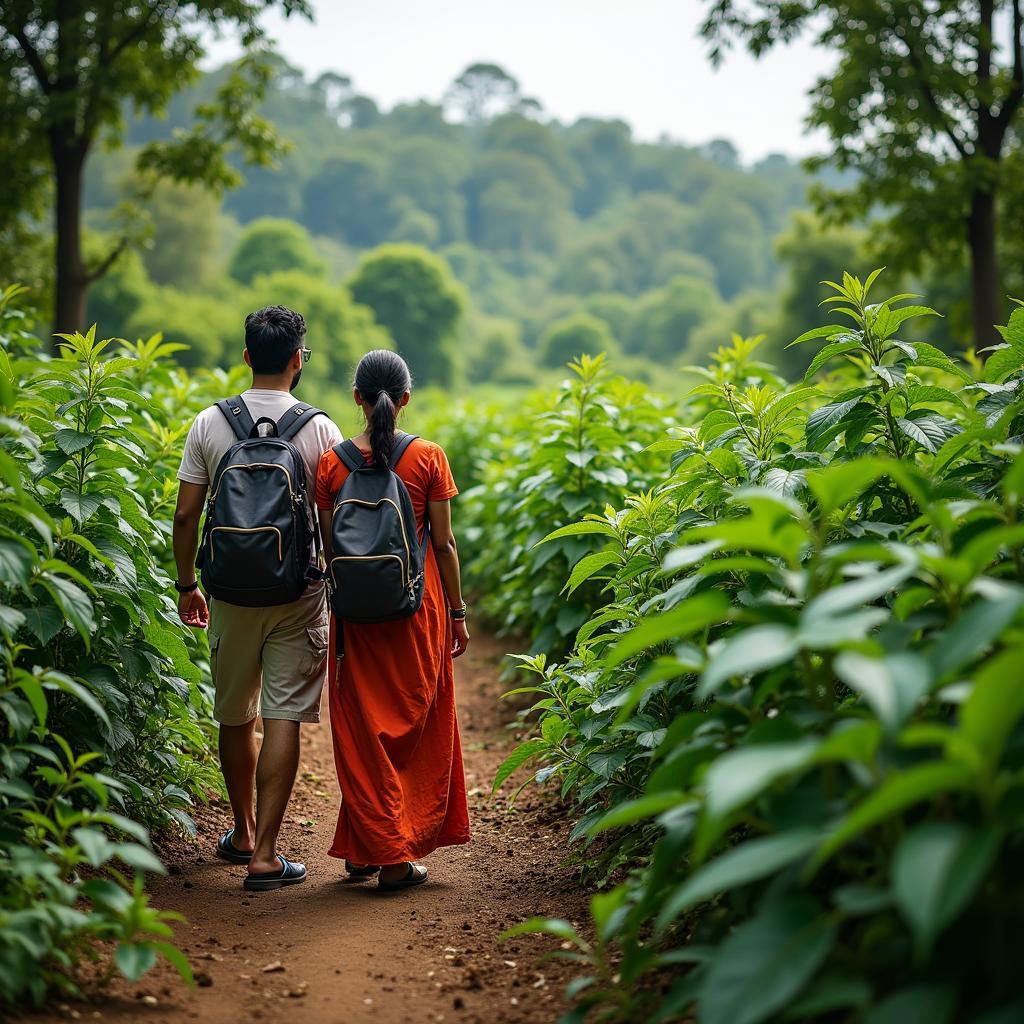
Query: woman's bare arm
x=446 y=551
x=326 y=517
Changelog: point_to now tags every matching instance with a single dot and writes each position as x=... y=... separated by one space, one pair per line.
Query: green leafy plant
x=106 y=714
x=576 y=453
x=791 y=727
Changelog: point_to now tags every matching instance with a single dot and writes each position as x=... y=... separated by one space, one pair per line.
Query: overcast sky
x=640 y=60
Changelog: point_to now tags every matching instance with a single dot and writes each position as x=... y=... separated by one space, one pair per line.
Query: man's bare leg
x=275 y=775
x=238 y=751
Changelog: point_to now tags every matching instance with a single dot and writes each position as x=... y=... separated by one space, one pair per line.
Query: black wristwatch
x=458 y=613
x=194 y=585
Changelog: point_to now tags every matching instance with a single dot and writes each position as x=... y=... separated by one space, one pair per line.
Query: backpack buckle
x=237 y=410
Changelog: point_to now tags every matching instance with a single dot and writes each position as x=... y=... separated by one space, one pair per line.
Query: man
x=270 y=661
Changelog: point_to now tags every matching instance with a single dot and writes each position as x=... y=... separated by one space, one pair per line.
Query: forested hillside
x=561 y=238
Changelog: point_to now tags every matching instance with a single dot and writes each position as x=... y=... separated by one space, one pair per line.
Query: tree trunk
x=981 y=233
x=72 y=282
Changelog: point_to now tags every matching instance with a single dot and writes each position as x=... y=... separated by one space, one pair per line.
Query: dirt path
x=349 y=955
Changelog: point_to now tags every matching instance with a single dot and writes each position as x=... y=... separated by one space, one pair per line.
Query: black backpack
x=377 y=560
x=260 y=544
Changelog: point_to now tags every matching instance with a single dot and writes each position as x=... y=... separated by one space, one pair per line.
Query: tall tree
x=922 y=105
x=482 y=91
x=68 y=71
x=412 y=293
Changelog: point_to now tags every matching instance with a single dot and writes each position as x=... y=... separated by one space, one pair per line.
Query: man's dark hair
x=272 y=336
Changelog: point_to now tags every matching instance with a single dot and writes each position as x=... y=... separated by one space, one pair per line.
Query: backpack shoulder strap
x=238 y=415
x=350 y=455
x=401 y=446
x=295 y=419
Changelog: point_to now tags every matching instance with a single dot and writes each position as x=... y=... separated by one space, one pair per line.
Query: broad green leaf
x=692 y=615
x=765 y=963
x=16 y=558
x=139 y=857
x=972 y=633
x=750 y=861
x=929 y=355
x=995 y=705
x=689 y=554
x=588 y=567
x=72 y=441
x=34 y=694
x=752 y=650
x=918 y=393
x=73 y=602
x=80 y=507
x=935 y=871
x=787 y=482
x=822 y=420
x=894 y=318
x=96 y=847
x=892 y=685
x=828 y=994
x=829 y=352
x=931 y=431
x=848 y=596
x=607 y=762
x=134 y=959
x=519 y=756
x=838 y=484
x=818 y=332
x=737 y=776
x=578 y=529
x=544 y=926
x=640 y=809
x=898 y=792
x=44 y=621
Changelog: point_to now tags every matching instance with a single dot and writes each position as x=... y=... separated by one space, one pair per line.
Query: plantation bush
x=107 y=716
x=555 y=459
x=793 y=718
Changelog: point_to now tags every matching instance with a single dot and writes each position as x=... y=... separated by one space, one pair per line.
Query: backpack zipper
x=254 y=465
x=254 y=529
x=401 y=520
x=371 y=558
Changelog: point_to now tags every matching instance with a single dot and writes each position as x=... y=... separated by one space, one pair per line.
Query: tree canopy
x=413 y=294
x=922 y=105
x=66 y=74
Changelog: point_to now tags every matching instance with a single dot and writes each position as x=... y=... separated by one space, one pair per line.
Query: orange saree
x=392 y=702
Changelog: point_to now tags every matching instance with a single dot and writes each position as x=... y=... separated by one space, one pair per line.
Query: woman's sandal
x=227 y=850
x=291 y=873
x=415 y=874
x=361 y=871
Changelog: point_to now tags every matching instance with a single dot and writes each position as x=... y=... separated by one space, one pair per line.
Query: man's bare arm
x=187 y=514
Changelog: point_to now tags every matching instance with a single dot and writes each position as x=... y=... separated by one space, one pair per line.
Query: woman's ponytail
x=382 y=429
x=382 y=378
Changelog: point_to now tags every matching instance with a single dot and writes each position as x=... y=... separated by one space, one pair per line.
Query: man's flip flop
x=361 y=870
x=291 y=873
x=416 y=874
x=227 y=850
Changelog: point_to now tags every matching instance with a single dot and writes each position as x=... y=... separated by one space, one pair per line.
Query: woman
x=392 y=695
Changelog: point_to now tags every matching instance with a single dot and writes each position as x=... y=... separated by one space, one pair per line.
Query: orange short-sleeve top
x=423 y=469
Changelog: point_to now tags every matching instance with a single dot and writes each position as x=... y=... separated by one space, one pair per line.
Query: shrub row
x=107 y=716
x=791 y=725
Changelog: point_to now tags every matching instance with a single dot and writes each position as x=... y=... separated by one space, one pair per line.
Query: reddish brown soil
x=347 y=953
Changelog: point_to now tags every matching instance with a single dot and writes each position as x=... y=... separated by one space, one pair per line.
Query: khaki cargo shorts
x=269 y=661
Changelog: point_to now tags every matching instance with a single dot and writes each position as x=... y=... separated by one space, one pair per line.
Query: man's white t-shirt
x=210 y=437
